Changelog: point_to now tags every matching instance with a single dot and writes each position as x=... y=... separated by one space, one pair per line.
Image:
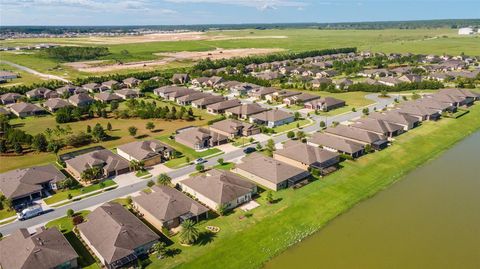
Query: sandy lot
x=97 y=67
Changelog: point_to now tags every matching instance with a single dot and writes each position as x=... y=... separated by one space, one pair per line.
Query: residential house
x=4 y=111
x=46 y=248
x=325 y=104
x=379 y=126
x=394 y=116
x=150 y=152
x=336 y=144
x=372 y=73
x=180 y=78
x=70 y=89
x=91 y=87
x=468 y=96
x=220 y=107
x=280 y=95
x=116 y=236
x=234 y=128
x=200 y=81
x=26 y=184
x=55 y=104
x=131 y=82
x=260 y=93
x=127 y=93
x=41 y=93
x=360 y=136
x=25 y=109
x=107 y=97
x=272 y=118
x=270 y=173
x=218 y=188
x=343 y=83
x=307 y=157
x=6 y=75
x=300 y=99
x=109 y=164
x=410 y=78
x=390 y=81
x=206 y=101
x=111 y=84
x=200 y=138
x=214 y=81
x=244 y=111
x=165 y=207
x=81 y=99
x=318 y=82
x=420 y=112
x=189 y=98
x=173 y=96
x=9 y=98
x=165 y=90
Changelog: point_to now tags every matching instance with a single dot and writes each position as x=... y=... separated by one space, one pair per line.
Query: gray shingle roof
x=142 y=150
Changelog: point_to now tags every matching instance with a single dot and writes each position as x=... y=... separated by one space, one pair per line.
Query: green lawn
x=63 y=195
x=143 y=173
x=119 y=134
x=186 y=152
x=291 y=126
x=5 y=213
x=86 y=260
x=225 y=166
x=426 y=41
x=249 y=242
x=25 y=78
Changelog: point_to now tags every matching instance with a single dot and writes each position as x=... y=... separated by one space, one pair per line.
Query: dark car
x=249 y=150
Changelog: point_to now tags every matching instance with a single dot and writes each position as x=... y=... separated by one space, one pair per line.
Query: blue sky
x=141 y=12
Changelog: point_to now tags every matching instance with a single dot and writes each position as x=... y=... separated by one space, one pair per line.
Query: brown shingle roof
x=44 y=249
x=142 y=150
x=21 y=182
x=246 y=109
x=334 y=142
x=268 y=168
x=115 y=232
x=219 y=186
x=305 y=153
x=166 y=203
x=272 y=115
x=354 y=133
x=109 y=161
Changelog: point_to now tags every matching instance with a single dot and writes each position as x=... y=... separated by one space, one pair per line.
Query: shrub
x=150 y=183
x=77 y=220
x=70 y=212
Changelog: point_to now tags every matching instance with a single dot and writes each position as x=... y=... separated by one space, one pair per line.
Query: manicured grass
x=143 y=173
x=225 y=166
x=186 y=152
x=5 y=213
x=24 y=79
x=65 y=225
x=249 y=242
x=241 y=141
x=291 y=126
x=119 y=134
x=63 y=195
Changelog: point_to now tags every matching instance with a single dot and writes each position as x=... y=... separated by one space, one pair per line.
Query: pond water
x=430 y=219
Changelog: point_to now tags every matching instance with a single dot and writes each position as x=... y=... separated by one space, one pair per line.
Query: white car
x=199 y=161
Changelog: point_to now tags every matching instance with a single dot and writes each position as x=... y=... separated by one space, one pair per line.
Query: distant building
x=466 y=31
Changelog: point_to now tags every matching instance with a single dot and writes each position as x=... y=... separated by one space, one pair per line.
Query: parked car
x=199 y=161
x=249 y=150
x=30 y=212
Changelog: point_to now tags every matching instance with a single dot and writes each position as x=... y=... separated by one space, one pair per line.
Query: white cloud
x=93 y=5
x=259 y=4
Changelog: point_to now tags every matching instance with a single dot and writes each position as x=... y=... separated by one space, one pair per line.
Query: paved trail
x=31 y=71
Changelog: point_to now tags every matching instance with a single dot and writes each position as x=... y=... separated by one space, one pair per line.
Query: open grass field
x=119 y=134
x=249 y=241
x=427 y=41
x=25 y=78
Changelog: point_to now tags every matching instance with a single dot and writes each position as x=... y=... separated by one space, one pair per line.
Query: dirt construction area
x=99 y=66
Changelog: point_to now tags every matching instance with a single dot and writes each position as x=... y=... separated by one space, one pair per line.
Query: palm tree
x=159 y=248
x=164 y=179
x=189 y=233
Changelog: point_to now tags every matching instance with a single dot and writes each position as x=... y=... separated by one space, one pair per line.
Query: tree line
x=72 y=54
x=258 y=59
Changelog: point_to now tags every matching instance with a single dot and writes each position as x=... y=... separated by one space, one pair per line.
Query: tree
x=98 y=133
x=3 y=146
x=200 y=167
x=297 y=115
x=109 y=126
x=160 y=248
x=137 y=165
x=220 y=161
x=259 y=147
x=322 y=124
x=189 y=233
x=270 y=146
x=132 y=130
x=39 y=142
x=91 y=174
x=290 y=134
x=150 y=126
x=17 y=147
x=368 y=148
x=89 y=129
x=365 y=111
x=300 y=135
x=69 y=196
x=164 y=179
x=70 y=212
x=113 y=105
x=269 y=197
